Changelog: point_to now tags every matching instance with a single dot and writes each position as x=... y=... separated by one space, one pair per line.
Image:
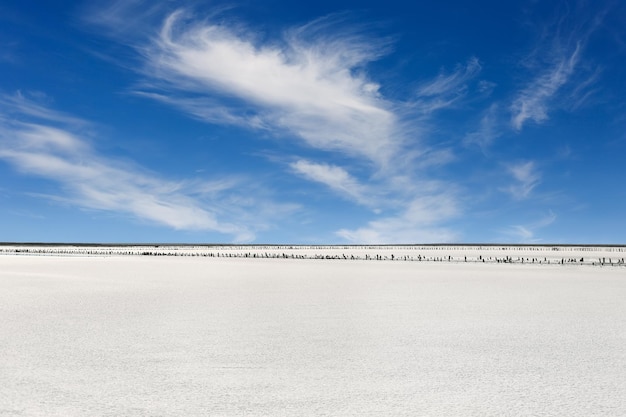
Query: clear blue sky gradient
x=322 y=122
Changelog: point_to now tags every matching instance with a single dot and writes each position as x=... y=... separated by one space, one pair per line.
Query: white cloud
x=417 y=223
x=522 y=233
x=489 y=129
x=336 y=178
x=454 y=83
x=21 y=104
x=526 y=179
x=532 y=101
x=486 y=87
x=310 y=83
x=562 y=78
x=420 y=206
x=446 y=90
x=93 y=181
x=527 y=233
x=583 y=92
x=208 y=110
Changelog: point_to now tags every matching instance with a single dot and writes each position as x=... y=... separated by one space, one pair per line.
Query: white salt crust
x=281 y=336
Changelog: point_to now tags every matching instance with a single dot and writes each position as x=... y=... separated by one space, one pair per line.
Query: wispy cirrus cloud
x=527 y=233
x=533 y=101
x=308 y=84
x=453 y=83
x=336 y=178
x=419 y=222
x=557 y=76
x=20 y=104
x=489 y=129
x=89 y=180
x=446 y=89
x=582 y=94
x=526 y=178
x=557 y=66
x=208 y=110
x=408 y=210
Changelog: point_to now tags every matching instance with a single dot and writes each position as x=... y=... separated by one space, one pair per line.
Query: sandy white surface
x=197 y=336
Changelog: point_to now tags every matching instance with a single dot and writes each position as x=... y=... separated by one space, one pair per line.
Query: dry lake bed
x=312 y=331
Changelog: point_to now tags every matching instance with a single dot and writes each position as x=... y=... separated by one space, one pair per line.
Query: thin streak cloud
x=532 y=103
x=556 y=64
x=89 y=180
x=336 y=178
x=454 y=83
x=489 y=128
x=526 y=179
x=528 y=233
x=446 y=90
x=420 y=221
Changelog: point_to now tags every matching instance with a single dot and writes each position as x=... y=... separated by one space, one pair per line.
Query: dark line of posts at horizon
x=302 y=245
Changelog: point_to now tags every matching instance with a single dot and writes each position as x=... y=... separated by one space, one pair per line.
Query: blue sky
x=329 y=122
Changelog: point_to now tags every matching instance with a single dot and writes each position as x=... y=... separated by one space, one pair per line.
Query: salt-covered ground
x=272 y=336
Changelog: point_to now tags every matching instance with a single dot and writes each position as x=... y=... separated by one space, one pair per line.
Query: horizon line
x=158 y=244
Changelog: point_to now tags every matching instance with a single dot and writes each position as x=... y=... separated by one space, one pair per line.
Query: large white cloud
x=312 y=86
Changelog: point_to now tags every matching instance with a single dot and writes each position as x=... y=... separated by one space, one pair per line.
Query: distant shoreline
x=593 y=255
x=304 y=245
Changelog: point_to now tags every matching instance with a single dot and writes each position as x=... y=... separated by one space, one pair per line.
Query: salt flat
x=197 y=336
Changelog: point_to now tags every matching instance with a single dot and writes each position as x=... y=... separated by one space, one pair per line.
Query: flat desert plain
x=312 y=331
